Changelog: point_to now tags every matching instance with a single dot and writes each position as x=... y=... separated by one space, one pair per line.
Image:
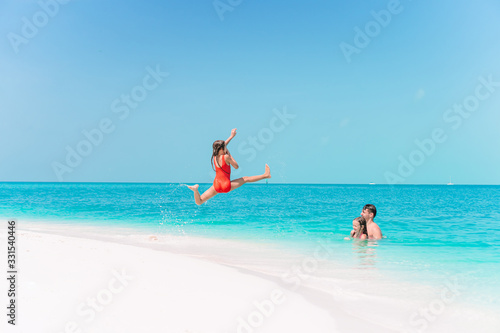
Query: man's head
x=369 y=212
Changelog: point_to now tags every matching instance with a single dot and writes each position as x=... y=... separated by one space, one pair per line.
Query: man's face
x=366 y=214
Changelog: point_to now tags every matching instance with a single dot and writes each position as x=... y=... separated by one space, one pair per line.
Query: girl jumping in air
x=222 y=182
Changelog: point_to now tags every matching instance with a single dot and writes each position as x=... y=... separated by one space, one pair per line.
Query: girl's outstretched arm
x=233 y=133
x=231 y=160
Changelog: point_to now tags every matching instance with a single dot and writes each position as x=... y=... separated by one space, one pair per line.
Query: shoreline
x=339 y=300
x=95 y=284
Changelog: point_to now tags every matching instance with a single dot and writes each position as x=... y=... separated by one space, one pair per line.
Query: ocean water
x=432 y=234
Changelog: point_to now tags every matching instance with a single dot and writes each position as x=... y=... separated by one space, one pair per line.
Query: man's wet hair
x=371 y=208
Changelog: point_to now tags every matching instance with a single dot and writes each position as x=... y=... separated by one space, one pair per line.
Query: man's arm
x=233 y=134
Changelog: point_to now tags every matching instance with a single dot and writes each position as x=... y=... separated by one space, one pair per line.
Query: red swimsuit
x=222 y=181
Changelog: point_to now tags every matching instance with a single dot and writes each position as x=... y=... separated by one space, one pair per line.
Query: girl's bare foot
x=267 y=174
x=194 y=187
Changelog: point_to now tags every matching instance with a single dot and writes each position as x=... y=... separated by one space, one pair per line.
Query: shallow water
x=432 y=234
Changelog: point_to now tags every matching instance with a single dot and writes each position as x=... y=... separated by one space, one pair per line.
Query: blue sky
x=154 y=83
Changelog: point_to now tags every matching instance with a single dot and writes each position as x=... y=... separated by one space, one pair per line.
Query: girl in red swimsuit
x=223 y=161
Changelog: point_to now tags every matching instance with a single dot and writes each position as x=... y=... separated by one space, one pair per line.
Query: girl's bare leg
x=200 y=199
x=240 y=181
x=208 y=194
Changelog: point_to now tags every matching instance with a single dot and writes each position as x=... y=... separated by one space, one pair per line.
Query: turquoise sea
x=432 y=234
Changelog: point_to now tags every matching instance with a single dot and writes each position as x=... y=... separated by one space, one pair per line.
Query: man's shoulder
x=372 y=225
x=373 y=228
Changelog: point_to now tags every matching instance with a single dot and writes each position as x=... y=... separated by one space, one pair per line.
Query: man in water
x=369 y=212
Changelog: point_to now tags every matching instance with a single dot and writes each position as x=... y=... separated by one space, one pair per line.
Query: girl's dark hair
x=216 y=147
x=362 y=227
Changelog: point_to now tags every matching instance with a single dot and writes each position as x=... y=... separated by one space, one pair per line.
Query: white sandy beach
x=69 y=284
x=77 y=284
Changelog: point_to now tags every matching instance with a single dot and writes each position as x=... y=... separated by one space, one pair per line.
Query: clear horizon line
x=257 y=183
